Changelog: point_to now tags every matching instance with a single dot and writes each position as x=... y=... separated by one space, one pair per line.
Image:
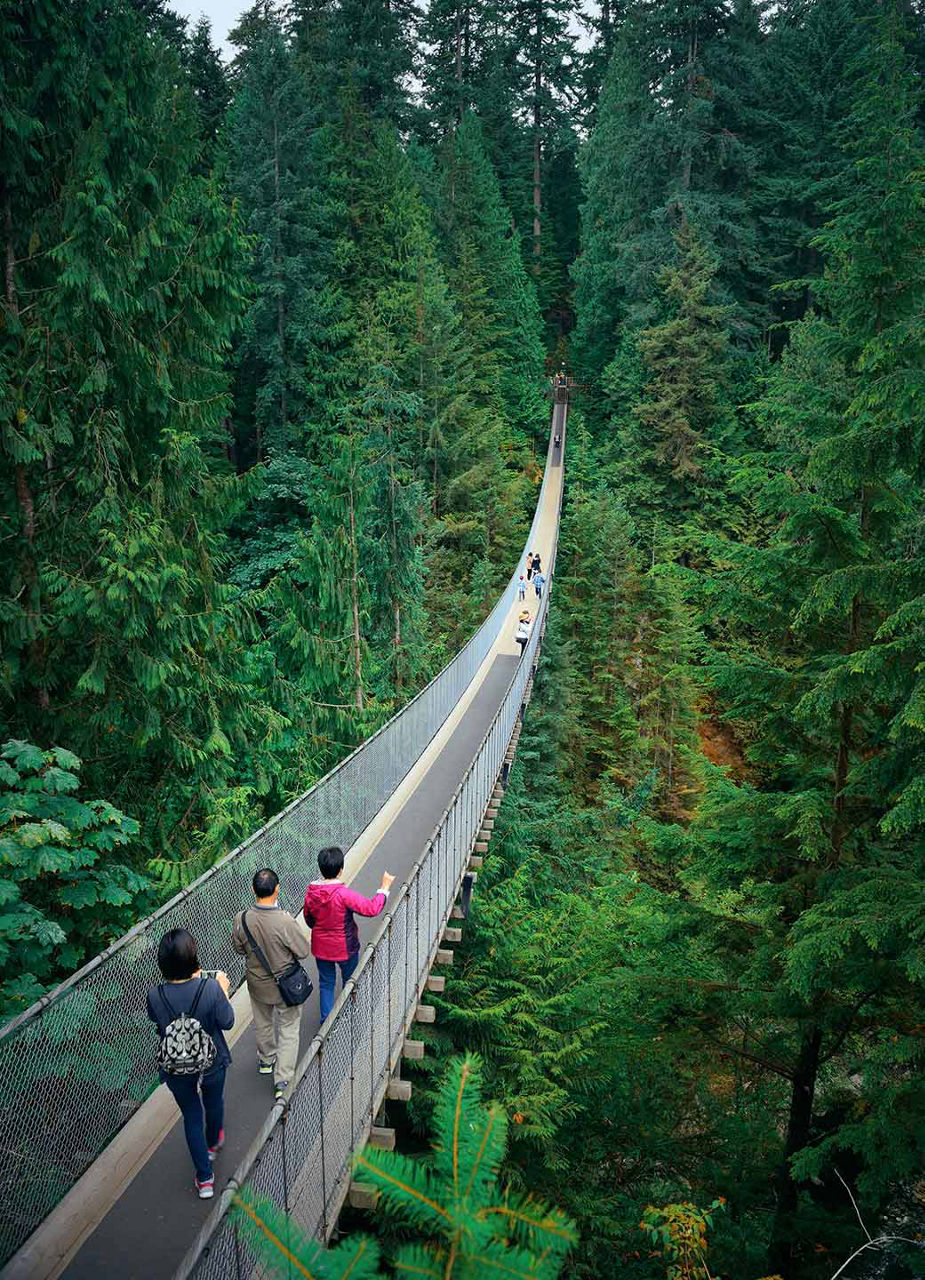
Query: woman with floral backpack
x=192 y=1011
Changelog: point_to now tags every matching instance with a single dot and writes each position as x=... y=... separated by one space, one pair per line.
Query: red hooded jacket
x=329 y=910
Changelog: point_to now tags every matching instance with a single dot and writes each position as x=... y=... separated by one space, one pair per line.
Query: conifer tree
x=545 y=52
x=683 y=360
x=497 y=301
x=809 y=91
x=210 y=88
x=469 y=1223
x=820 y=594
x=608 y=280
x=454 y=36
x=372 y=44
x=278 y=165
x=123 y=288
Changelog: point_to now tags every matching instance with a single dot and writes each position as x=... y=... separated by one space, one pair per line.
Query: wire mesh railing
x=79 y=1062
x=301 y=1159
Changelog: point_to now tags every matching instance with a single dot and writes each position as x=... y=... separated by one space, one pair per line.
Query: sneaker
x=264 y=1068
x=206 y=1189
x=279 y=1091
x=213 y=1151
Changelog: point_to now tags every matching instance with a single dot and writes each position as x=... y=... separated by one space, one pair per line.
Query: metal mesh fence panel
x=303 y=1152
x=78 y=1063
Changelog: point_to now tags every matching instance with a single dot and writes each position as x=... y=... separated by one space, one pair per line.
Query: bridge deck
x=149 y=1227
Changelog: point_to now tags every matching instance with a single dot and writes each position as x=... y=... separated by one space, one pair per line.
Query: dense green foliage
x=465 y=1223
x=270 y=381
x=271 y=384
x=61 y=892
x=695 y=968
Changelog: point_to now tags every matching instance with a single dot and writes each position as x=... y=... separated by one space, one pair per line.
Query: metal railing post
x=324 y=1172
x=353 y=1020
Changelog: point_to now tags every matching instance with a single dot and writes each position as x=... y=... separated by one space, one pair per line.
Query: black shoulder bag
x=295 y=986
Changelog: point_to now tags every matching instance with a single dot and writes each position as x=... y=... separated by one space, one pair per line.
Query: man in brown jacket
x=281 y=939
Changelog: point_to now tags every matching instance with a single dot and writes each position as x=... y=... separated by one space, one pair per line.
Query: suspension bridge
x=95 y=1175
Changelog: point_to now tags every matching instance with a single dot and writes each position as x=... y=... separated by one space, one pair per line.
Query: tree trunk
x=355 y=599
x=846 y=721
x=606 y=25
x=687 y=162
x=537 y=192
x=24 y=495
x=393 y=524
x=537 y=150
x=458 y=37
x=799 y=1127
x=396 y=644
x=467 y=36
x=280 y=298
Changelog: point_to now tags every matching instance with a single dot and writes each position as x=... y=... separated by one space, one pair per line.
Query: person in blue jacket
x=186 y=990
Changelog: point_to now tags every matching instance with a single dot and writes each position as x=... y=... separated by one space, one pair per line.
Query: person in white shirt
x=522 y=632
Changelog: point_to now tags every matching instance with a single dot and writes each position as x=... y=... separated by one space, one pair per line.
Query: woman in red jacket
x=329 y=910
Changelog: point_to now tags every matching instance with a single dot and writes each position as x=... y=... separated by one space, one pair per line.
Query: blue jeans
x=200 y=1136
x=327 y=979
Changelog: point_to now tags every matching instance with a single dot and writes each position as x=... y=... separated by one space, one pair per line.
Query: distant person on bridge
x=529 y=565
x=522 y=588
x=281 y=940
x=329 y=909
x=192 y=1011
x=539 y=581
x=522 y=632
x=536 y=562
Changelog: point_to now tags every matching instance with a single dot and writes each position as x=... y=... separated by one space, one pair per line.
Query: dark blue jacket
x=214 y=1012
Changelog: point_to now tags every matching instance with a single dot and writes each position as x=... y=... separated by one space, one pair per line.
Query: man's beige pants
x=278 y=1042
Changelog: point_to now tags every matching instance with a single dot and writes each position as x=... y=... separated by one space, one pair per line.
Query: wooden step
x=425 y=1013
x=452 y=935
x=413 y=1050
x=398 y=1090
x=435 y=983
x=443 y=956
x=382 y=1139
x=475 y=861
x=361 y=1197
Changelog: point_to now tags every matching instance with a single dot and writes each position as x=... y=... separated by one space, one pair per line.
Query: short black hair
x=177 y=954
x=265 y=882
x=331 y=861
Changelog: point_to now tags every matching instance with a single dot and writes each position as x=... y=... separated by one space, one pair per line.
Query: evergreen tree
x=824 y=852
x=809 y=91
x=469 y=1223
x=676 y=137
x=497 y=301
x=617 y=168
x=278 y=162
x=453 y=35
x=210 y=88
x=372 y=43
x=123 y=287
x=545 y=51
x=683 y=358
